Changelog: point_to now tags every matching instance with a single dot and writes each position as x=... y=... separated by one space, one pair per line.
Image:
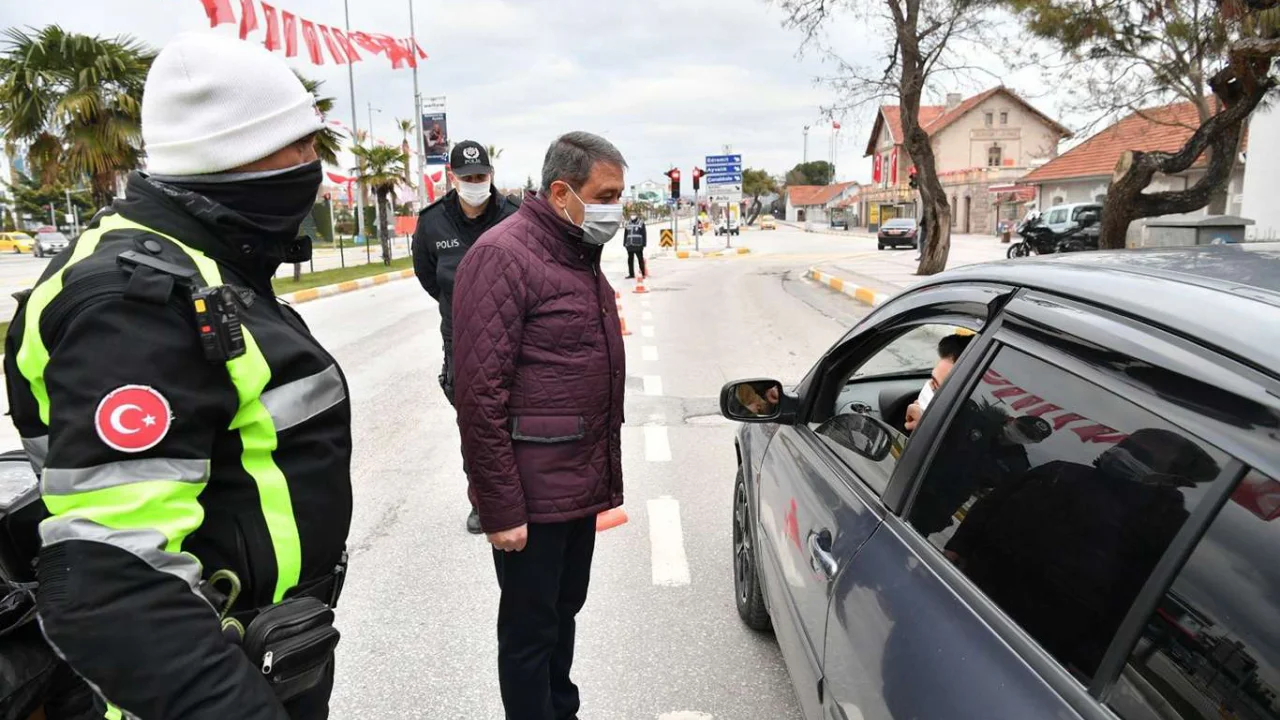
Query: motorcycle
x=1039 y=239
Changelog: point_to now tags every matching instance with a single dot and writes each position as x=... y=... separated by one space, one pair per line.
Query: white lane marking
x=657 y=448
x=666 y=543
x=646 y=315
x=649 y=353
x=685 y=715
x=646 y=330
x=645 y=304
x=653 y=385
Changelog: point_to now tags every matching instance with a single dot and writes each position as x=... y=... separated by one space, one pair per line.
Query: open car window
x=915 y=351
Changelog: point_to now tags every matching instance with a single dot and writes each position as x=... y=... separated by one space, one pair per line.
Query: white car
x=50 y=243
x=1061 y=218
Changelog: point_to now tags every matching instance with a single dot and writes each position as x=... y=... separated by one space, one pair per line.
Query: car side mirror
x=757 y=401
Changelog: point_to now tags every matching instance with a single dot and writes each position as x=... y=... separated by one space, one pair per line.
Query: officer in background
x=635 y=239
x=446 y=231
x=193 y=439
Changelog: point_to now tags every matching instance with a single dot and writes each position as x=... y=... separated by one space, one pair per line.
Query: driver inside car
x=949 y=350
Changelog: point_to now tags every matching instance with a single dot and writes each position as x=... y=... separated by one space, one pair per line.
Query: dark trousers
x=632 y=254
x=446 y=374
x=543 y=588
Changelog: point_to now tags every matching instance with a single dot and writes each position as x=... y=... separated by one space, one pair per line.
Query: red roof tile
x=934 y=118
x=802 y=195
x=1165 y=129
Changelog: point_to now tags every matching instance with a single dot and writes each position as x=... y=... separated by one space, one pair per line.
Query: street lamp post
x=377 y=208
x=806 y=143
x=351 y=84
x=417 y=117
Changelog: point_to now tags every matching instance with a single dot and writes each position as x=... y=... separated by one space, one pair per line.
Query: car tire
x=748 y=595
x=879 y=246
x=38 y=253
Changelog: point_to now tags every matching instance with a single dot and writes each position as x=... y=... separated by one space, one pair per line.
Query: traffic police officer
x=193 y=437
x=634 y=239
x=446 y=231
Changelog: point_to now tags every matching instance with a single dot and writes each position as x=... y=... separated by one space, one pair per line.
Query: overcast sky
x=668 y=81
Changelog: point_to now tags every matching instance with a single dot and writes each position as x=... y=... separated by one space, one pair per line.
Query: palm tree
x=328 y=142
x=381 y=168
x=76 y=100
x=406 y=129
x=495 y=152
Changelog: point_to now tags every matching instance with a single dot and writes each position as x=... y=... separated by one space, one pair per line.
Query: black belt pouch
x=293 y=643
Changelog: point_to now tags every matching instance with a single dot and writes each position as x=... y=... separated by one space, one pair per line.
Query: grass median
x=321 y=278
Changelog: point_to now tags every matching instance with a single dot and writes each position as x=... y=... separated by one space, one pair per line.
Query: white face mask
x=599 y=222
x=926 y=395
x=473 y=194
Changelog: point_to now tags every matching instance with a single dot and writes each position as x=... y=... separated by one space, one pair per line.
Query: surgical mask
x=599 y=222
x=473 y=194
x=926 y=395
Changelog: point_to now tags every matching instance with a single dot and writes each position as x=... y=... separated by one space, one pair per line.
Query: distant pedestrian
x=446 y=231
x=540 y=381
x=635 y=240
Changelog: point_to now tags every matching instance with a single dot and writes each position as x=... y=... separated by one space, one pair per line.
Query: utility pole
x=377 y=206
x=806 y=143
x=417 y=118
x=351 y=84
x=75 y=221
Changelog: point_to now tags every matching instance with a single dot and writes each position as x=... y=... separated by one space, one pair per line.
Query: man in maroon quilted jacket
x=539 y=377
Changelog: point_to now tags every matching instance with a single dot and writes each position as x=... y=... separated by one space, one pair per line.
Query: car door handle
x=820 y=554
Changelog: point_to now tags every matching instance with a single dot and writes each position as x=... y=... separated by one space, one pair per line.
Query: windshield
x=900 y=223
x=53 y=237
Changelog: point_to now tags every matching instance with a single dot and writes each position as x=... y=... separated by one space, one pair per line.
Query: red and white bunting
x=248 y=18
x=273 y=27
x=219 y=11
x=290 y=33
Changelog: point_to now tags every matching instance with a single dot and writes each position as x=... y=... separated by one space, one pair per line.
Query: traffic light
x=912 y=178
x=697 y=178
x=674 y=176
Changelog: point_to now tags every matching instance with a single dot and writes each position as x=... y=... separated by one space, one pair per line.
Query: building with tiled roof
x=982 y=142
x=812 y=203
x=1083 y=173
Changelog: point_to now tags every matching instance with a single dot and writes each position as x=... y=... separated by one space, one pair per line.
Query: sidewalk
x=874 y=277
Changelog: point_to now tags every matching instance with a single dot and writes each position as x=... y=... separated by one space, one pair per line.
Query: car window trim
x=1162 y=577
x=1048 y=669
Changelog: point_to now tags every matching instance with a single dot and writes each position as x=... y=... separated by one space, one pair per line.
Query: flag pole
x=351 y=85
x=417 y=113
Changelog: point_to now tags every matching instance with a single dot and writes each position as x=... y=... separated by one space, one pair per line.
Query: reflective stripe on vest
x=250 y=375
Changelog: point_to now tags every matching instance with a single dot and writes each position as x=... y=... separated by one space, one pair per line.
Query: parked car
x=1084 y=523
x=1061 y=218
x=50 y=243
x=727 y=227
x=18 y=242
x=767 y=222
x=840 y=222
x=898 y=231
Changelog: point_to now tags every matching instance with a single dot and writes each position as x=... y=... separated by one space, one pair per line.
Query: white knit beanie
x=213 y=103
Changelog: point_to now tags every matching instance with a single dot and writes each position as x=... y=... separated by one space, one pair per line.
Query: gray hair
x=571 y=157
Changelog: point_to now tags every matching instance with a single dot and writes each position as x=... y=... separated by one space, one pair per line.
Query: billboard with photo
x=435 y=132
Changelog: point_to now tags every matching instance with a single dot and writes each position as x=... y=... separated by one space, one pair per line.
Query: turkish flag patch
x=133 y=418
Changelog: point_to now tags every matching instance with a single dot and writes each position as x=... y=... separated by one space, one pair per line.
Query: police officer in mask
x=635 y=239
x=446 y=231
x=193 y=438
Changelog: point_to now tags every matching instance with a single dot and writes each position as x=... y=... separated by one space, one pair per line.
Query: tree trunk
x=1240 y=87
x=383 y=235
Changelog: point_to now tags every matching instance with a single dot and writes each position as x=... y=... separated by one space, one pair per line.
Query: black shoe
x=631 y=277
x=473 y=523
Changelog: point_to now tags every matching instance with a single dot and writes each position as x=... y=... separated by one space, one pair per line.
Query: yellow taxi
x=16 y=242
x=768 y=223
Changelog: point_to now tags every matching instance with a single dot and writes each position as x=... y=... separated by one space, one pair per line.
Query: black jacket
x=252 y=474
x=444 y=234
x=637 y=235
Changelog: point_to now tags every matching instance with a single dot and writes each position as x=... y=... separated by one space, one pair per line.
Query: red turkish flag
x=133 y=418
x=368 y=42
x=334 y=51
x=219 y=11
x=893 y=168
x=421 y=53
x=313 y=42
x=290 y=33
x=875 y=168
x=273 y=27
x=344 y=42
x=393 y=50
x=248 y=18
x=409 y=54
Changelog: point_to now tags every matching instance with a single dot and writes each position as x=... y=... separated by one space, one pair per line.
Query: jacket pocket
x=548 y=429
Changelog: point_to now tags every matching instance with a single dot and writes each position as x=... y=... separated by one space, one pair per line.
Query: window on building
x=1211 y=647
x=1058 y=200
x=1100 y=198
x=1057 y=498
x=987 y=118
x=995 y=156
x=1004 y=117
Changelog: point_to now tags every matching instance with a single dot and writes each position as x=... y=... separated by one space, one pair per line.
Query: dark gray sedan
x=1043 y=489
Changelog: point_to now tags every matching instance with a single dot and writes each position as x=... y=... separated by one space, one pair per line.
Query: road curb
x=864 y=295
x=727 y=252
x=323 y=291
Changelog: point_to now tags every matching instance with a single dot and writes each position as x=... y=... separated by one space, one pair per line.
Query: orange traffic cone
x=625 y=331
x=640 y=288
x=610 y=519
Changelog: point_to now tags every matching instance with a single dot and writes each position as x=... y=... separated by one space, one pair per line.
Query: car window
x=865 y=429
x=1056 y=498
x=1057 y=216
x=1211 y=649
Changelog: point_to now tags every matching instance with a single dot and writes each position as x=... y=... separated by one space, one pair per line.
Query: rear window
x=901 y=223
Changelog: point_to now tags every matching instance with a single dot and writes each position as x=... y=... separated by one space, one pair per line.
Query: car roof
x=1226 y=296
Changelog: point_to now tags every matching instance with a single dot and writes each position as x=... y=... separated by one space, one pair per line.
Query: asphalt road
x=659 y=637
